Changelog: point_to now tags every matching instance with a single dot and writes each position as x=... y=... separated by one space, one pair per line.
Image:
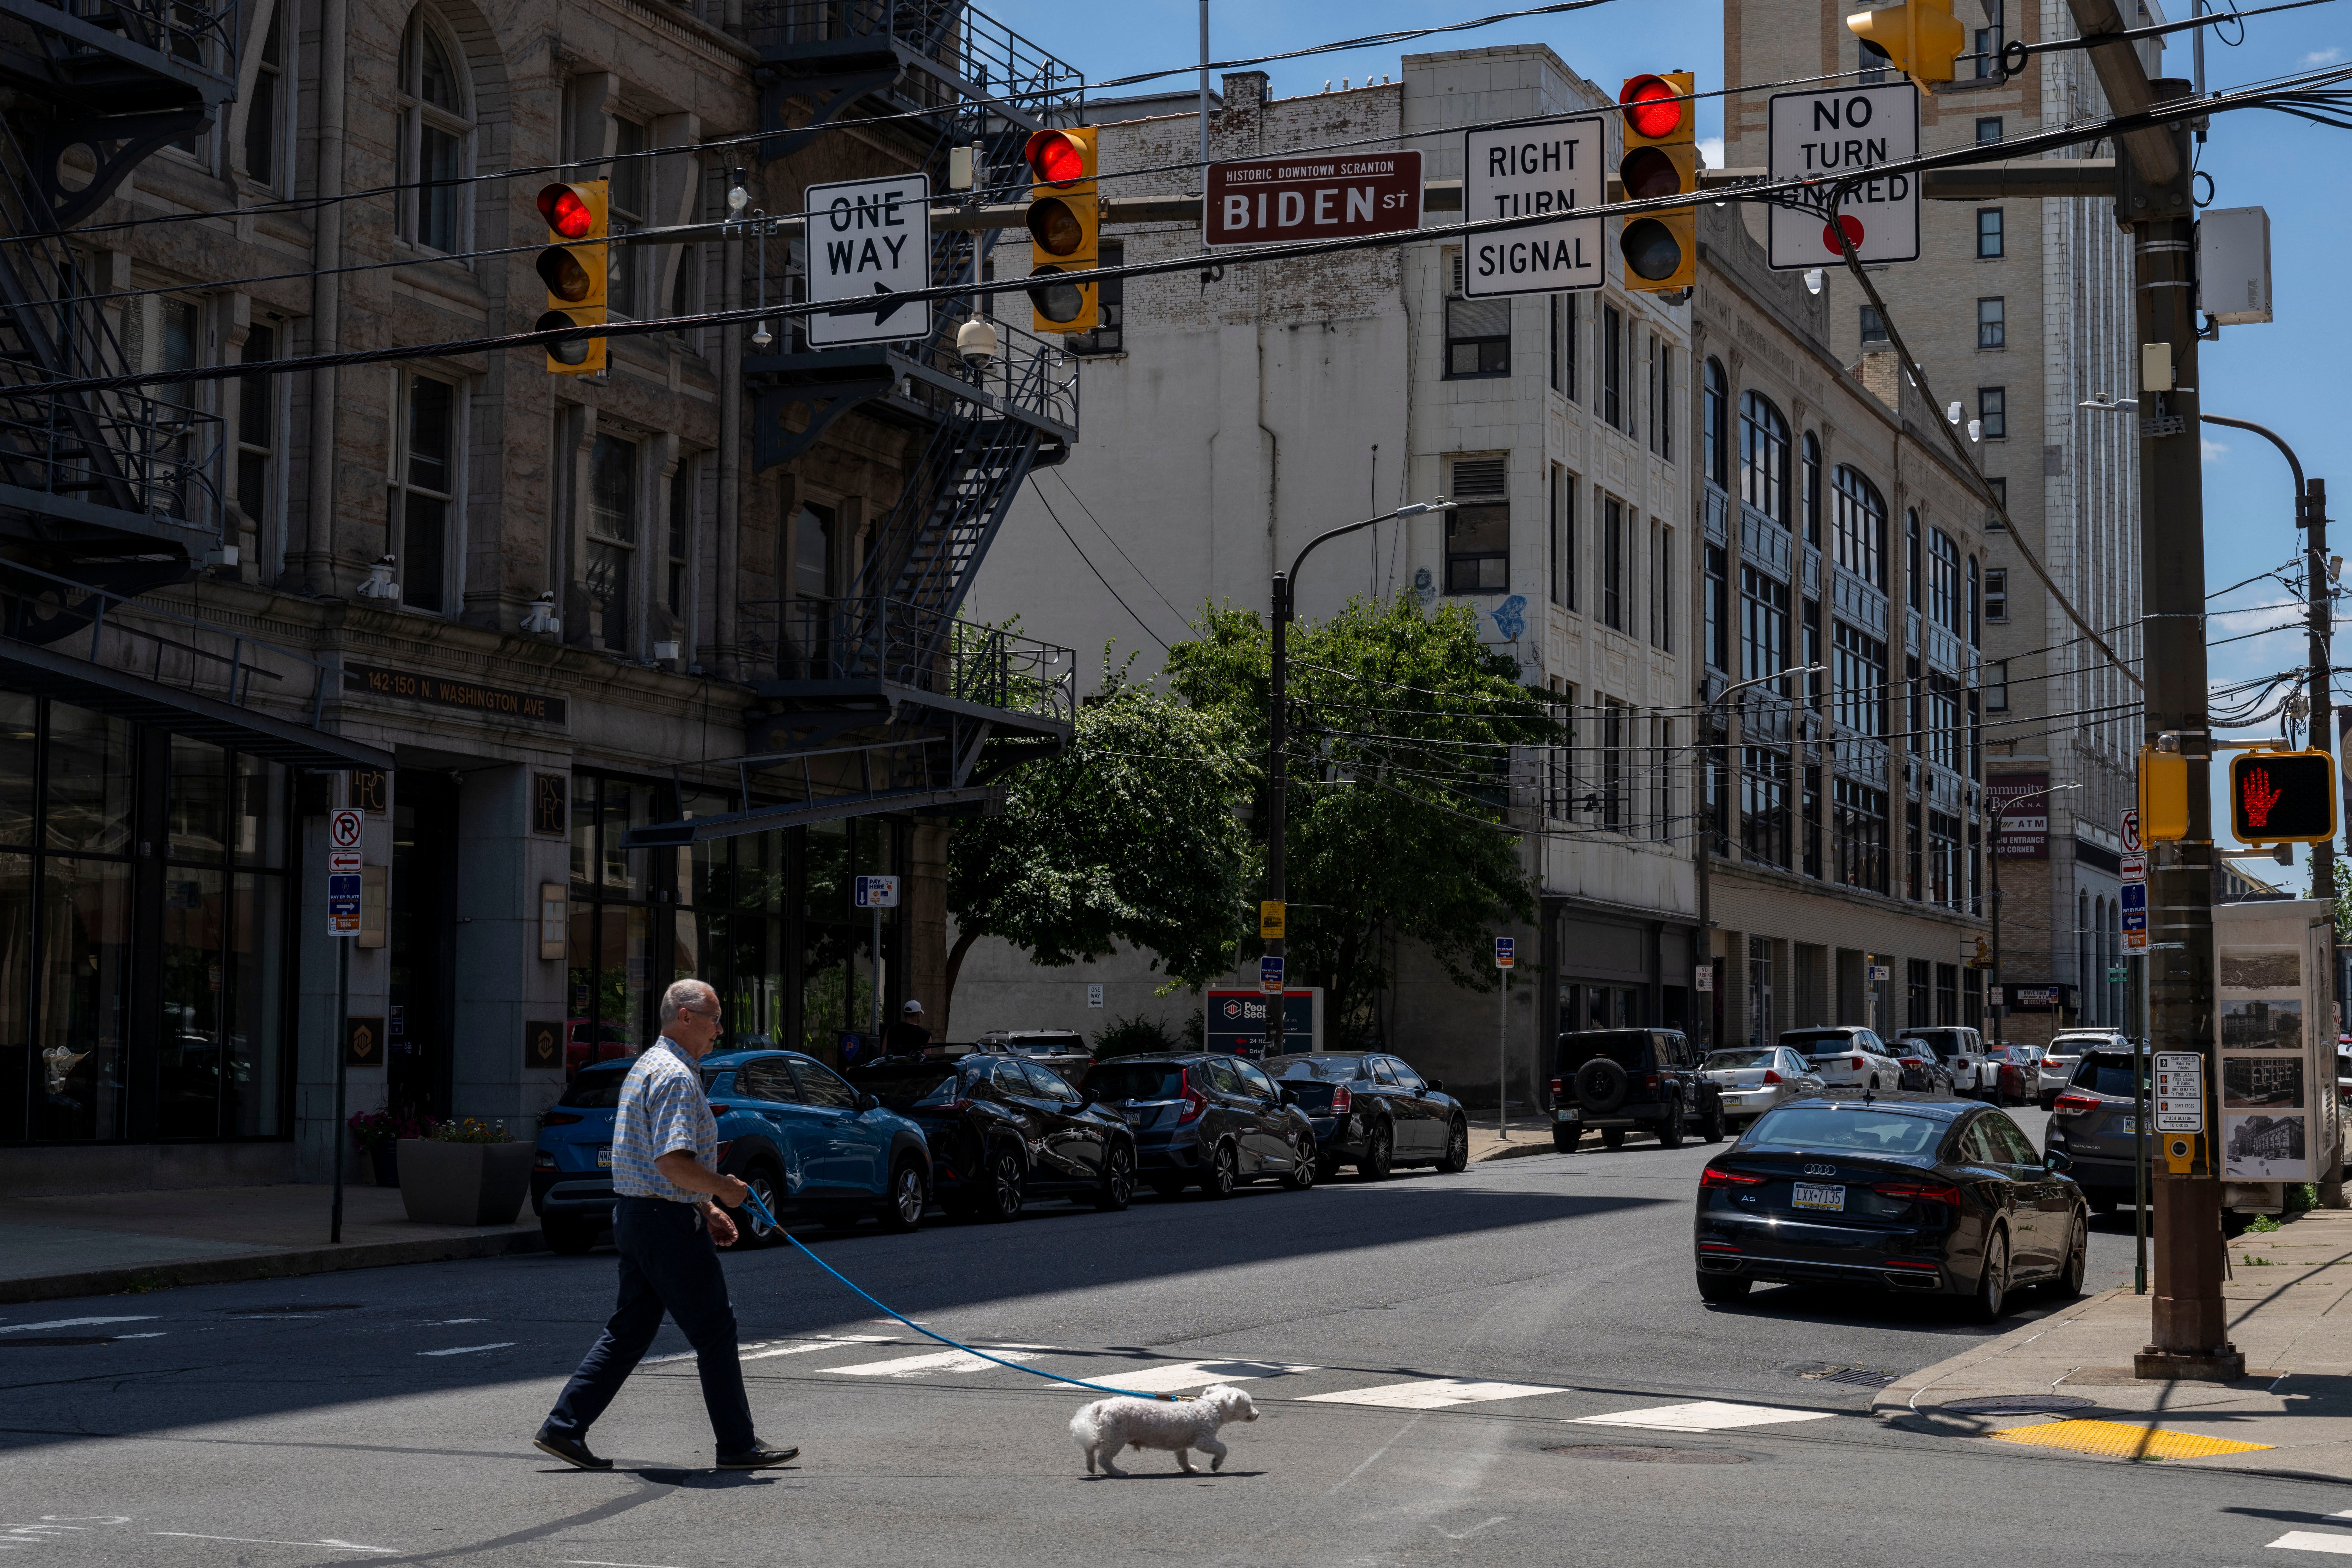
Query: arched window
x=1944 y=582
x=1764 y=456
x=1714 y=418
x=1813 y=486
x=436 y=136
x=1861 y=527
x=2083 y=994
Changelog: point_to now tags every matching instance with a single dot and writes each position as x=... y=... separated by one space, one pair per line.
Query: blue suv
x=795 y=1132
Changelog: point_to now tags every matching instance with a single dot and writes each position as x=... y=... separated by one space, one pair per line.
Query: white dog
x=1106 y=1425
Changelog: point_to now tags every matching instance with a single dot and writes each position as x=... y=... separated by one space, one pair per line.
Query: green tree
x=1401 y=729
x=1127 y=838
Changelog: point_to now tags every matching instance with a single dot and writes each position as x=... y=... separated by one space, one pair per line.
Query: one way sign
x=869 y=237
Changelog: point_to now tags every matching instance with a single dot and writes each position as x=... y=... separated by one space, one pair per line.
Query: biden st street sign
x=1837 y=136
x=1331 y=196
x=1524 y=172
x=868 y=238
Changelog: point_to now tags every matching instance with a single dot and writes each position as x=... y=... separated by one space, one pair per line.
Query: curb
x=286 y=1265
x=1513 y=1151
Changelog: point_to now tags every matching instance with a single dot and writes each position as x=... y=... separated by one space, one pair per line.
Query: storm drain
x=2122 y=1440
x=2017 y=1405
x=1647 y=1454
x=1839 y=1372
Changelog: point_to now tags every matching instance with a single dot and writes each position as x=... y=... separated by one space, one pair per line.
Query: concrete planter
x=464 y=1184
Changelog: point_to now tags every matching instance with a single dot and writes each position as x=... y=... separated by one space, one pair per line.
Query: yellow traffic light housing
x=1660 y=159
x=1921 y=36
x=1064 y=223
x=2282 y=797
x=576 y=268
x=2163 y=796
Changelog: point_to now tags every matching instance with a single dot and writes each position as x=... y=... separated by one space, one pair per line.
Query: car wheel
x=1006 y=1189
x=1873 y=1081
x=569 y=1237
x=1720 y=1289
x=1991 y=1302
x=902 y=1206
x=1457 y=1148
x=1613 y=1138
x=2069 y=1283
x=1379 y=1152
x=762 y=1178
x=1670 y=1130
x=1303 y=1165
x=1713 y=1125
x=1117 y=1189
x=1224 y=1174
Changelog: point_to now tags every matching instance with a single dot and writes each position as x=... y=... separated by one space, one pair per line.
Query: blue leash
x=752 y=1201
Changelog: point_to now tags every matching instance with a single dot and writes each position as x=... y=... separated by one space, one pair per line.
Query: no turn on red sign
x=1835 y=136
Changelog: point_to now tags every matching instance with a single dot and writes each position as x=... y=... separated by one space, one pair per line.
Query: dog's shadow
x=1177 y=1476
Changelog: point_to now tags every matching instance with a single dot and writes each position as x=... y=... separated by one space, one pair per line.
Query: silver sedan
x=1755 y=1078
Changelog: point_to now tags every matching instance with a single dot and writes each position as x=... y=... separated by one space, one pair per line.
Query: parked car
x=1374 y=1111
x=1846 y=1055
x=2064 y=1053
x=2093 y=1123
x=1207 y=1120
x=1004 y=1129
x=1064 y=1050
x=2016 y=1072
x=1906 y=1195
x=1959 y=1049
x=1752 y=1079
x=1923 y=1069
x=1615 y=1080
x=812 y=1147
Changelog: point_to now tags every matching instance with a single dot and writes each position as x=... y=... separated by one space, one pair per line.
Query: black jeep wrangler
x=1612 y=1079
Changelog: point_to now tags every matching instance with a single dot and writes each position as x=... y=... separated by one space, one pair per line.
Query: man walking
x=906 y=1038
x=665 y=1146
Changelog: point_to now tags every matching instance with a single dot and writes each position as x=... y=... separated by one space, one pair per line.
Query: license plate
x=1563 y=1115
x=1810 y=1196
x=604 y=1158
x=2128 y=1124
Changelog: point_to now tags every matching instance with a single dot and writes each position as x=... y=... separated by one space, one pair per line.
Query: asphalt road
x=383 y=1415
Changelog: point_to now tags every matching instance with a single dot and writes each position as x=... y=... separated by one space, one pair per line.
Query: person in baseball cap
x=907 y=1038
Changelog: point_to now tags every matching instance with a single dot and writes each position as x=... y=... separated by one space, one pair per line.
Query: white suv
x=2064 y=1053
x=1962 y=1050
x=1846 y=1055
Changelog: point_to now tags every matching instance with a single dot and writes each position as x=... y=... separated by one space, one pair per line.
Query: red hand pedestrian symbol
x=2257 y=795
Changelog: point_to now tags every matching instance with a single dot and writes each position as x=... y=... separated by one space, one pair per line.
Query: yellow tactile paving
x=2123 y=1440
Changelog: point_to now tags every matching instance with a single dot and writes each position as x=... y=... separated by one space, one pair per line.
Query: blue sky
x=2278 y=375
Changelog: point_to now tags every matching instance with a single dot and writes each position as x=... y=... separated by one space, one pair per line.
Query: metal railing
x=965 y=43
x=860 y=639
x=201 y=35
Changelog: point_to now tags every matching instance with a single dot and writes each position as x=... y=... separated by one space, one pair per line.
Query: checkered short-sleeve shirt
x=663 y=1110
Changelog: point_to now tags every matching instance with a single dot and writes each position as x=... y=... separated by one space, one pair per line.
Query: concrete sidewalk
x=2066 y=1381
x=109 y=1242
x=1529 y=1135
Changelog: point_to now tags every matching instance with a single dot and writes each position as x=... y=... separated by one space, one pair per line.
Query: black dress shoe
x=758 y=1459
x=571 y=1450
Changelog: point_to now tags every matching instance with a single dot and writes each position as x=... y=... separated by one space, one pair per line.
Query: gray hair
x=681 y=995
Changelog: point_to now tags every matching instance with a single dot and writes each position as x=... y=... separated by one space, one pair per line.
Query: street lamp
x=1278 y=735
x=1704 y=941
x=1992 y=861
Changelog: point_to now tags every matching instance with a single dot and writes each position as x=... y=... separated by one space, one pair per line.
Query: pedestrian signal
x=2282 y=797
x=575 y=268
x=1921 y=36
x=1064 y=223
x=1660 y=159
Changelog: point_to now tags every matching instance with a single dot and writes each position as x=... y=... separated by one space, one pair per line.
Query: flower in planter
x=374 y=1127
x=470 y=1129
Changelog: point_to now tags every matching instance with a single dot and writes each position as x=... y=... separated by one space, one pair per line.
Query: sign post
x=869 y=237
x=875 y=893
x=1556 y=166
x=1504 y=956
x=344 y=826
x=1835 y=135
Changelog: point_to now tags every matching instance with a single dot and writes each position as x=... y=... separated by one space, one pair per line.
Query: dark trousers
x=667 y=1263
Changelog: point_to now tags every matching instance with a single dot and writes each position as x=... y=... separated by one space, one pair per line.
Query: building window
x=1859 y=666
x=1764 y=456
x=1559 y=791
x=1809 y=822
x=1992 y=412
x=629 y=202
x=1811 y=480
x=1874 y=62
x=1764 y=807
x=1662 y=778
x=425 y=490
x=1612 y=366
x=1987 y=42
x=1858 y=831
x=1715 y=604
x=1873 y=326
x=1987 y=129
x=1996 y=594
x=1992 y=323
x=1763 y=624
x=1660 y=375
x=1563 y=538
x=1911 y=573
x=1478 y=530
x=613 y=504
x=1715 y=424
x=1614 y=770
x=816 y=553
x=1110 y=299
x=1662 y=576
x=1989 y=233
x=1916 y=991
x=1996 y=686
x=1944 y=582
x=2000 y=488
x=1478 y=338
x=1612 y=565
x=265 y=107
x=1947 y=740
x=682 y=492
x=1976 y=607
x=1861 y=527
x=436 y=138
x=257 y=428
x=1563 y=344
x=1816 y=683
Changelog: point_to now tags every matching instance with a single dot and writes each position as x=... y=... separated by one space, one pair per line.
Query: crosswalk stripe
x=2313 y=1541
x=761 y=1350
x=1704 y=1415
x=1430 y=1394
x=1185 y=1374
x=939 y=1361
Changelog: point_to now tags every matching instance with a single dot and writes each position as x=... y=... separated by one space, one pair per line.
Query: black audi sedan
x=1206 y=1120
x=1374 y=1113
x=1938 y=1199
x=1003 y=1131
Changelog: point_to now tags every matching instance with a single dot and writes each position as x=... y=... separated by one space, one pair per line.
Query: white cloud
x=2322 y=57
x=1710 y=151
x=2211 y=450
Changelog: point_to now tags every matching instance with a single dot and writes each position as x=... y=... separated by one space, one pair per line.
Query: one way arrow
x=880 y=316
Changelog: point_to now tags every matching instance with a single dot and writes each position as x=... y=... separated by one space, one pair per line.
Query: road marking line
x=251 y=1541
x=1704 y=1415
x=453 y=1322
x=468 y=1350
x=761 y=1350
x=939 y=1361
x=599 y=1562
x=2312 y=1541
x=76 y=1324
x=1185 y=1374
x=1432 y=1394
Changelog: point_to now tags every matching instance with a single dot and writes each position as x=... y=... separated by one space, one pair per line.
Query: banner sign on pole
x=1269 y=974
x=1504 y=956
x=874 y=892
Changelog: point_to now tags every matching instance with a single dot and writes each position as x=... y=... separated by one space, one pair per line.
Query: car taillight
x=1712 y=1177
x=542 y=1161
x=1919 y=1191
x=2074 y=1104
x=1650 y=1083
x=560 y=1118
x=722 y=1151
x=1857 y=1064
x=1557 y=1092
x=1771 y=1077
x=1342 y=1101
x=1195 y=1101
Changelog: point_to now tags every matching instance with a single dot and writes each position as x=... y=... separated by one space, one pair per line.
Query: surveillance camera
x=976 y=343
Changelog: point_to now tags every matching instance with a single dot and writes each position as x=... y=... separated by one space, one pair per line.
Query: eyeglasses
x=699 y=1013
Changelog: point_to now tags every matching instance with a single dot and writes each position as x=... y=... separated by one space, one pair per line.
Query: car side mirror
x=1437 y=1086
x=2058 y=1162
x=1288 y=1095
x=867 y=1102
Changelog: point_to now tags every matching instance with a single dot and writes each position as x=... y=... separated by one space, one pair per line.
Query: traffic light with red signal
x=575 y=269
x=2282 y=797
x=1660 y=159
x=1065 y=224
x=1921 y=36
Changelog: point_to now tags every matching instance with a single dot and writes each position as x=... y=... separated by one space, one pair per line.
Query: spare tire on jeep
x=1601 y=1086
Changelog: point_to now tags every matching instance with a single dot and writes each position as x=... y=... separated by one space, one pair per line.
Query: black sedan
x=1938 y=1198
x=1207 y=1120
x=1003 y=1131
x=1374 y=1111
